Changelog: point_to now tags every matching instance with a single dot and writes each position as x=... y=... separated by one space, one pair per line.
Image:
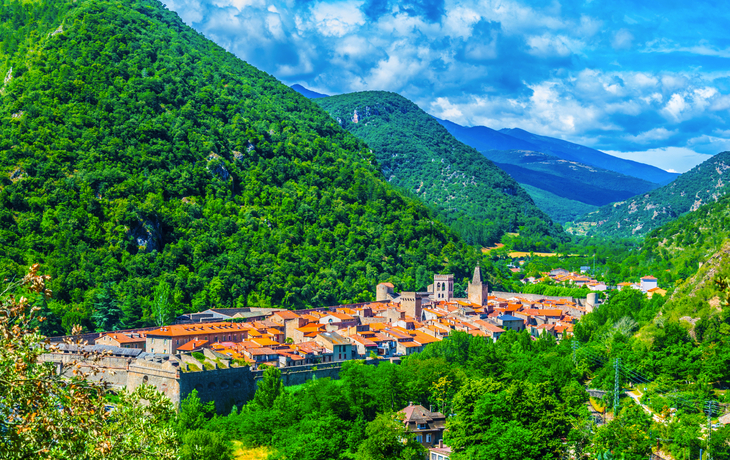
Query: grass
x=597 y=405
x=496 y=246
x=243 y=453
x=193 y=367
x=518 y=254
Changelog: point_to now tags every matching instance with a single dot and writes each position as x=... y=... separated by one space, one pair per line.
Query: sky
x=644 y=80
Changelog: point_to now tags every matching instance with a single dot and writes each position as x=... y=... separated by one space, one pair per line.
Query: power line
x=617 y=365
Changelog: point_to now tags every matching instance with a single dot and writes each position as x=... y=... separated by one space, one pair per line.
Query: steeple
x=477 y=278
x=478 y=290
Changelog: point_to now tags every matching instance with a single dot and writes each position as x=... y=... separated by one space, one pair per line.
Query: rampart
x=225 y=384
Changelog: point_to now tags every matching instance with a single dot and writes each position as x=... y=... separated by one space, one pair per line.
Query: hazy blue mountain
x=308 y=93
x=575 y=152
x=483 y=138
x=569 y=179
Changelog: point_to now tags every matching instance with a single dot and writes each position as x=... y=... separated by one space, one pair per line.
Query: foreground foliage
x=46 y=416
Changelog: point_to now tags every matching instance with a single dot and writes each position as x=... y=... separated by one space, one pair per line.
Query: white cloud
x=337 y=19
x=622 y=40
x=576 y=71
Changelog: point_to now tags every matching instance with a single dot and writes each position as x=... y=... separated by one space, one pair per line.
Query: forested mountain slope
x=144 y=166
x=479 y=200
x=704 y=183
x=680 y=250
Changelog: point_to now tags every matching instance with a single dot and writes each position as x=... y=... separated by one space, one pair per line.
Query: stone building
x=478 y=290
x=428 y=426
x=384 y=292
x=442 y=289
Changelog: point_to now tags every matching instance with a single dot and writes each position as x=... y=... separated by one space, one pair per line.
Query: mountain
x=308 y=93
x=417 y=154
x=151 y=172
x=560 y=209
x=586 y=155
x=703 y=184
x=483 y=139
x=571 y=181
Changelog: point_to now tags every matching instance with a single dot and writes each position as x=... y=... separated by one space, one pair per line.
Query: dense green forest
x=641 y=214
x=149 y=172
x=467 y=191
x=560 y=209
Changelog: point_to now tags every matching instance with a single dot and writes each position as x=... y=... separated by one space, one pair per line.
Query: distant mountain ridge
x=575 y=152
x=483 y=138
x=705 y=183
x=308 y=93
x=569 y=179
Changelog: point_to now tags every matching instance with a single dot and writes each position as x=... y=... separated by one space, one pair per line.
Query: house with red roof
x=123 y=340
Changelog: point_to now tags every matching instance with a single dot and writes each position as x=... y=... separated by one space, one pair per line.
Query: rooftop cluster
x=397 y=324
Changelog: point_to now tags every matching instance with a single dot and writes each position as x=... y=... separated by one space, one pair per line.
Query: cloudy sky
x=645 y=80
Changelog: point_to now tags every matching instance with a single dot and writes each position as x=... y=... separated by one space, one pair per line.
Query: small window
x=419 y=438
x=428 y=438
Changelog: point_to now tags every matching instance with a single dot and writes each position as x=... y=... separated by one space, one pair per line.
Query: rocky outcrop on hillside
x=705 y=183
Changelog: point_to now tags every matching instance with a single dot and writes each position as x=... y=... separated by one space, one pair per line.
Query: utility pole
x=709 y=407
x=594 y=264
x=616 y=387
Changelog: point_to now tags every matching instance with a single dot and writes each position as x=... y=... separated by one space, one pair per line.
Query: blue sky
x=643 y=80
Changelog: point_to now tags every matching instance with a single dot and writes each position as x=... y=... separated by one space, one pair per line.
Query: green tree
x=205 y=445
x=193 y=414
x=269 y=388
x=162 y=307
x=107 y=310
x=627 y=434
x=387 y=438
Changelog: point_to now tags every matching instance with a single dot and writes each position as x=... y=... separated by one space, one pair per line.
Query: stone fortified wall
x=226 y=386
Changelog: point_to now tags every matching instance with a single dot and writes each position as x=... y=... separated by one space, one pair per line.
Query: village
x=394 y=325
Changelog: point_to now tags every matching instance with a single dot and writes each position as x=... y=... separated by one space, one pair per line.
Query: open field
x=496 y=246
x=243 y=453
x=518 y=254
